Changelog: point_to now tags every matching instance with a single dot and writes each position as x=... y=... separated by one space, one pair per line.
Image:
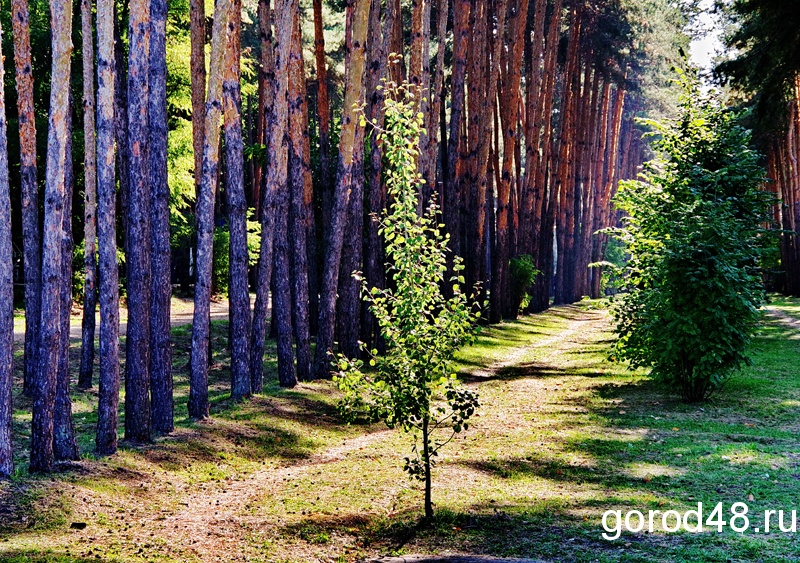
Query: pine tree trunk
x=162 y=405
x=138 y=249
x=275 y=182
x=354 y=81
x=29 y=187
x=109 y=382
x=198 y=382
x=238 y=292
x=301 y=194
x=65 y=447
x=323 y=103
x=90 y=201
x=197 y=26
x=44 y=390
x=121 y=128
x=266 y=95
x=6 y=294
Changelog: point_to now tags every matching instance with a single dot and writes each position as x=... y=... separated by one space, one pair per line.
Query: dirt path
x=212 y=522
x=782 y=317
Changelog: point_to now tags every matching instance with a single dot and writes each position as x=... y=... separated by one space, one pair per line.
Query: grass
x=563 y=435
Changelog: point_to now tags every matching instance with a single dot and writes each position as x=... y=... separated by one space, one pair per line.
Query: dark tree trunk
x=282 y=294
x=29 y=187
x=6 y=295
x=198 y=383
x=266 y=95
x=197 y=24
x=301 y=194
x=162 y=404
x=90 y=201
x=238 y=293
x=138 y=248
x=354 y=81
x=108 y=401
x=44 y=390
x=275 y=182
x=323 y=105
x=65 y=448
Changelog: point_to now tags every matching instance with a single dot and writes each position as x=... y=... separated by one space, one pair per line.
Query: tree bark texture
x=138 y=249
x=29 y=187
x=300 y=212
x=89 y=201
x=44 y=390
x=198 y=382
x=354 y=81
x=197 y=65
x=238 y=292
x=161 y=401
x=6 y=295
x=275 y=182
x=109 y=382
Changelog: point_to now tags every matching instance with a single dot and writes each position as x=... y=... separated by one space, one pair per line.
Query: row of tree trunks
x=354 y=87
x=6 y=296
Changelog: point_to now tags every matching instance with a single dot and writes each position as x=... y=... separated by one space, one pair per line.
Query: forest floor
x=563 y=434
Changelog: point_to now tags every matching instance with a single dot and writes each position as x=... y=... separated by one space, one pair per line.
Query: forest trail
x=182 y=312
x=214 y=523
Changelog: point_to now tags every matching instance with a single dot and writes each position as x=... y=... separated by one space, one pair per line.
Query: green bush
x=523 y=273
x=695 y=238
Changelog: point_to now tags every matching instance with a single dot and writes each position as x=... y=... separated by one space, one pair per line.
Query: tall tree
x=266 y=95
x=323 y=104
x=198 y=383
x=89 y=201
x=239 y=296
x=275 y=183
x=300 y=219
x=354 y=80
x=23 y=65
x=197 y=24
x=65 y=445
x=138 y=247
x=106 y=441
x=44 y=390
x=6 y=295
x=161 y=405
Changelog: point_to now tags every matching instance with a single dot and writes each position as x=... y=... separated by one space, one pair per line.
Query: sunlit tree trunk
x=29 y=186
x=198 y=379
x=138 y=248
x=354 y=80
x=6 y=295
x=162 y=404
x=275 y=182
x=44 y=390
x=109 y=382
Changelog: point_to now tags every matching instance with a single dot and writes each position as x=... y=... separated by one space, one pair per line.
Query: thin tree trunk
x=323 y=103
x=354 y=81
x=198 y=382
x=275 y=181
x=197 y=26
x=29 y=187
x=300 y=204
x=44 y=391
x=6 y=293
x=65 y=447
x=121 y=128
x=162 y=404
x=108 y=401
x=90 y=201
x=266 y=96
x=238 y=292
x=138 y=250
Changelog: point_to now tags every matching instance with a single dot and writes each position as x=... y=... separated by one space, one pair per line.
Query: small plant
x=695 y=233
x=412 y=385
x=523 y=273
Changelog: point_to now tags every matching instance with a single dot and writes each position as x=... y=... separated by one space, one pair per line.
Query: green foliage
x=220 y=273
x=695 y=236
x=412 y=385
x=523 y=273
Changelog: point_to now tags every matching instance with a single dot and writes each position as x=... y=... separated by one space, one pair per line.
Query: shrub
x=695 y=237
x=523 y=273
